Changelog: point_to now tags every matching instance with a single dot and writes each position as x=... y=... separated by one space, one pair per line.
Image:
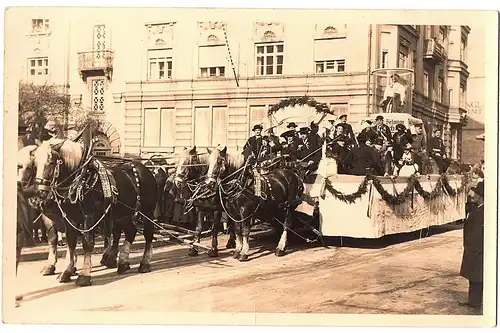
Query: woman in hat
x=400 y=139
x=289 y=147
x=472 y=259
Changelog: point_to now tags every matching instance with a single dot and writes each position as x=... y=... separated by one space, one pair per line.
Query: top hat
x=287 y=134
x=379 y=118
x=258 y=126
x=304 y=130
x=291 y=125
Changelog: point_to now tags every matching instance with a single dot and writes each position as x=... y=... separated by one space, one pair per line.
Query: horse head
x=54 y=159
x=217 y=164
x=187 y=158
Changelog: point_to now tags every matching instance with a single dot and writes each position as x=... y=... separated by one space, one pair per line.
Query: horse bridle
x=219 y=168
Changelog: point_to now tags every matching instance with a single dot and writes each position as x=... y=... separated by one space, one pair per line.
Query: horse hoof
x=19 y=297
x=213 y=253
x=73 y=271
x=144 y=268
x=243 y=257
x=279 y=253
x=109 y=262
x=230 y=245
x=65 y=277
x=83 y=280
x=49 y=270
x=192 y=252
x=236 y=254
x=122 y=268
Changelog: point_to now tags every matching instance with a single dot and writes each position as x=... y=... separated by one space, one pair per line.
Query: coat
x=419 y=142
x=384 y=132
x=290 y=150
x=348 y=131
x=253 y=145
x=400 y=140
x=436 y=145
x=361 y=160
x=472 y=259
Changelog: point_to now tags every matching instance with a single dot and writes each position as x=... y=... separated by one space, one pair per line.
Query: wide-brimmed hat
x=287 y=134
x=400 y=127
x=379 y=118
x=343 y=116
x=258 y=126
x=292 y=125
x=304 y=130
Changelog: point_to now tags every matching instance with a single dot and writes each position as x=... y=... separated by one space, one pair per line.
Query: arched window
x=330 y=31
x=160 y=43
x=269 y=36
x=212 y=40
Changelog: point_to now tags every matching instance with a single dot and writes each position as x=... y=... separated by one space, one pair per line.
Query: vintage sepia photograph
x=250 y=166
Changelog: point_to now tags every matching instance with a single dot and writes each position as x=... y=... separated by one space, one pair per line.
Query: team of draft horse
x=87 y=195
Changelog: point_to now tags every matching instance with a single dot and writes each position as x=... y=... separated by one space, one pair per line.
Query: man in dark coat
x=347 y=128
x=274 y=143
x=337 y=148
x=400 y=140
x=437 y=151
x=368 y=132
x=362 y=160
x=316 y=142
x=472 y=260
x=289 y=147
x=419 y=146
x=383 y=131
x=253 y=145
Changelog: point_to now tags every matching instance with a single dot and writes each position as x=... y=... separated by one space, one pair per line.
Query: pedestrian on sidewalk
x=472 y=260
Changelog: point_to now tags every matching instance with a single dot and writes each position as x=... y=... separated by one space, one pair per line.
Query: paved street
x=413 y=277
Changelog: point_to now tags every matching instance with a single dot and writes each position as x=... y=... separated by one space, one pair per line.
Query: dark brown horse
x=60 y=166
x=282 y=189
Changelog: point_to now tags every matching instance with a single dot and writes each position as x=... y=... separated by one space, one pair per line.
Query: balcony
x=433 y=50
x=95 y=63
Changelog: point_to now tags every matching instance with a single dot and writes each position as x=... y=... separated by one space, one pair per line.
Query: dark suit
x=290 y=150
x=316 y=143
x=368 y=133
x=419 y=145
x=252 y=146
x=400 y=140
x=348 y=131
x=337 y=151
x=472 y=260
x=363 y=160
x=436 y=150
x=383 y=131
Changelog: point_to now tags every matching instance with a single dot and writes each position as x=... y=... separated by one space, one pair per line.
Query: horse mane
x=71 y=152
x=234 y=160
x=24 y=155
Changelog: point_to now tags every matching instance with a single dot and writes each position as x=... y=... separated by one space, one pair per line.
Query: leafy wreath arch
x=300 y=101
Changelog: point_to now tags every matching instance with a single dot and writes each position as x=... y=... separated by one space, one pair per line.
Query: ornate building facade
x=164 y=83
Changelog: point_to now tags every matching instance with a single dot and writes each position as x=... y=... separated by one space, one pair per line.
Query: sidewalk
x=40 y=252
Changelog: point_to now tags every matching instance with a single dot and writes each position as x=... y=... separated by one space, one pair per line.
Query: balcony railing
x=433 y=50
x=95 y=61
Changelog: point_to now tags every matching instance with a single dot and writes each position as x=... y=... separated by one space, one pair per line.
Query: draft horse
x=199 y=197
x=60 y=167
x=282 y=187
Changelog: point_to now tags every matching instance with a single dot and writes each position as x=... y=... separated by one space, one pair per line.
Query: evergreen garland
x=304 y=100
x=413 y=184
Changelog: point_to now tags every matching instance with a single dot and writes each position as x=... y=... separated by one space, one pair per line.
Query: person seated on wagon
x=305 y=151
x=362 y=160
x=369 y=132
x=407 y=159
x=385 y=153
x=290 y=146
x=400 y=139
x=316 y=141
x=419 y=147
x=337 y=148
x=437 y=151
x=253 y=146
x=383 y=131
x=347 y=129
x=293 y=126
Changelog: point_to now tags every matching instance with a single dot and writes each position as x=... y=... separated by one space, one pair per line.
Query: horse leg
x=214 y=252
x=109 y=256
x=231 y=242
x=145 y=266
x=43 y=229
x=281 y=249
x=193 y=251
x=245 y=233
x=50 y=266
x=84 y=279
x=130 y=232
x=71 y=238
x=238 y=240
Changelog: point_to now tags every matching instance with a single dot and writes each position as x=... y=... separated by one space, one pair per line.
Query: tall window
x=463 y=49
x=426 y=83
x=462 y=96
x=159 y=127
x=159 y=64
x=450 y=96
x=329 y=55
x=38 y=67
x=98 y=95
x=210 y=126
x=39 y=26
x=269 y=59
x=385 y=59
x=442 y=34
x=212 y=60
x=440 y=90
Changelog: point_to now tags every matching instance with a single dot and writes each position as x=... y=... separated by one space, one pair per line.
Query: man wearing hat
x=419 y=146
x=368 y=132
x=316 y=141
x=362 y=160
x=347 y=128
x=400 y=140
x=437 y=151
x=337 y=147
x=472 y=259
x=253 y=146
x=383 y=131
x=289 y=147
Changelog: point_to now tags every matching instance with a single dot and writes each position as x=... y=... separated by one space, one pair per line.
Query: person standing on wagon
x=472 y=259
x=347 y=129
x=253 y=146
x=437 y=151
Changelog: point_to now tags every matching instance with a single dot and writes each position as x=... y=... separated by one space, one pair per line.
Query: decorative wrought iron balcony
x=434 y=50
x=95 y=63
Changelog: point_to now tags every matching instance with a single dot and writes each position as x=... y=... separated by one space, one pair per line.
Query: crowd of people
x=374 y=150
